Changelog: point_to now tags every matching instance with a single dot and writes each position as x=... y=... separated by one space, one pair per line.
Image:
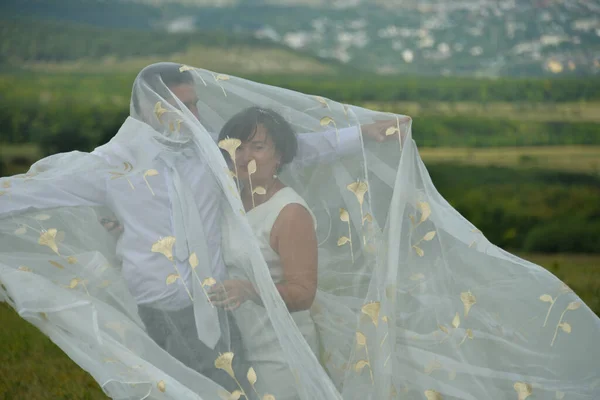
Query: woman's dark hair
x=244 y=124
x=159 y=77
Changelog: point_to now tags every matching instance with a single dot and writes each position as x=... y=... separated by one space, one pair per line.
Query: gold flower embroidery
x=48 y=238
x=433 y=395
x=524 y=390
x=468 y=301
x=165 y=247
x=566 y=327
x=325 y=121
x=224 y=361
x=345 y=217
x=372 y=310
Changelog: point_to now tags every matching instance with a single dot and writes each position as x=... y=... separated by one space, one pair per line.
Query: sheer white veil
x=413 y=301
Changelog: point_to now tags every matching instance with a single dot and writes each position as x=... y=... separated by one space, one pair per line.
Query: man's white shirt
x=139 y=203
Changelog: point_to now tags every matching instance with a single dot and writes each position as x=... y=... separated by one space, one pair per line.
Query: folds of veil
x=413 y=302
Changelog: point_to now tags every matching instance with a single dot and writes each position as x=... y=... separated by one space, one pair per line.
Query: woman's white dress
x=263 y=350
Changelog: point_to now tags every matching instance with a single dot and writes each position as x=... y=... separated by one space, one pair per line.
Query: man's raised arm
x=85 y=186
x=332 y=144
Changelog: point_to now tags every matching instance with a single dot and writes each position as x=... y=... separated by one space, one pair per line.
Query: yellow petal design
x=443 y=329
x=72 y=260
x=361 y=339
x=268 y=397
x=172 y=278
x=159 y=110
x=259 y=190
x=433 y=395
x=360 y=364
x=224 y=362
x=372 y=310
x=224 y=394
x=344 y=216
x=546 y=298
x=193 y=260
x=565 y=327
x=235 y=395
x=391 y=130
x=162 y=386
x=24 y=268
x=470 y=333
x=326 y=121
x=456 y=321
x=57 y=265
x=524 y=390
x=151 y=172
x=425 y=210
x=324 y=102
x=468 y=301
x=434 y=365
x=165 y=247
x=429 y=236
x=359 y=189
x=48 y=238
x=252 y=167
x=222 y=77
x=230 y=145
x=252 y=378
x=419 y=251
x=184 y=68
x=342 y=241
x=574 y=305
x=21 y=231
x=208 y=282
x=74 y=282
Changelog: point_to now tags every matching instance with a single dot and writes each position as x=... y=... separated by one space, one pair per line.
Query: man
x=169 y=192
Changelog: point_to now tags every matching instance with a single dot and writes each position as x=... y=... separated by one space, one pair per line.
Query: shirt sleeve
x=327 y=146
x=86 y=187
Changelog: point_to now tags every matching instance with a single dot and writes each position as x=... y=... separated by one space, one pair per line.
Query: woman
x=285 y=230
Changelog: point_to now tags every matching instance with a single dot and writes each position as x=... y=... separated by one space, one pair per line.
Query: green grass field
x=582 y=159
x=33 y=368
x=541 y=112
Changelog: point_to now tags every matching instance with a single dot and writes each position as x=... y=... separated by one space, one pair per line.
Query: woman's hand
x=231 y=294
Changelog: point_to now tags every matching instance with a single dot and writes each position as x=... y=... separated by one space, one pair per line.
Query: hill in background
x=465 y=37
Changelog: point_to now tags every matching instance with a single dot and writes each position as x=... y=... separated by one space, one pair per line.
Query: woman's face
x=260 y=148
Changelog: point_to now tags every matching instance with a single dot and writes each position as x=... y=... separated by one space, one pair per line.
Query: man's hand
x=383 y=130
x=113 y=226
x=231 y=294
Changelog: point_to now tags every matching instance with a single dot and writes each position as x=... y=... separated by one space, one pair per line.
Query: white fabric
x=413 y=301
x=263 y=349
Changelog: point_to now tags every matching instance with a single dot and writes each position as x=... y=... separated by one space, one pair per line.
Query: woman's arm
x=293 y=237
